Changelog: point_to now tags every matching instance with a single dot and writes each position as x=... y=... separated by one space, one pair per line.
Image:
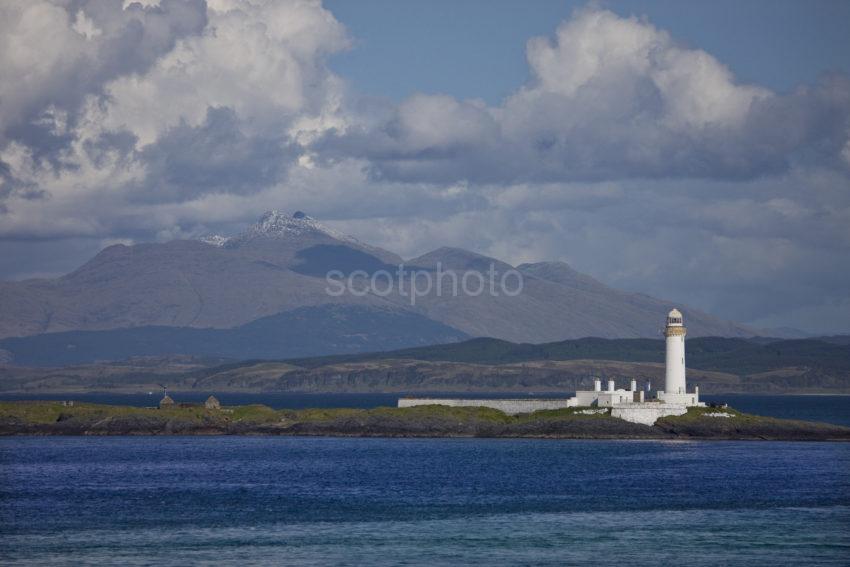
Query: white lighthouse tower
x=674 y=379
x=675 y=387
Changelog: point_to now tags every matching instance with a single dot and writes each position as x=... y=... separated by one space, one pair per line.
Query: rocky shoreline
x=56 y=418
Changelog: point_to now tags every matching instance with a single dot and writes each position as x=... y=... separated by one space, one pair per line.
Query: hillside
x=306 y=331
x=278 y=266
x=478 y=365
x=741 y=356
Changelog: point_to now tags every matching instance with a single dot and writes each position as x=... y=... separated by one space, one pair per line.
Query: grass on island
x=40 y=417
x=51 y=411
x=45 y=412
x=54 y=418
x=438 y=412
x=697 y=415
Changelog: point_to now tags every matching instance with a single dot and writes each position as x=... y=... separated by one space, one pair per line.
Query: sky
x=779 y=44
x=698 y=152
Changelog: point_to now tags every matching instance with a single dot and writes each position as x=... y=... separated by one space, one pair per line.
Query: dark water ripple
x=261 y=500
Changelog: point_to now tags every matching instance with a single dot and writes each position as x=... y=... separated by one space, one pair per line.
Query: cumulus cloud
x=610 y=98
x=638 y=159
x=52 y=55
x=156 y=104
x=264 y=60
x=215 y=156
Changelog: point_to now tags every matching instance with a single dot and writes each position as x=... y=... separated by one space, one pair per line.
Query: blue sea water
x=348 y=501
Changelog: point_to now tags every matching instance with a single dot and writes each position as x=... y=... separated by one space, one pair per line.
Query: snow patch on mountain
x=215 y=240
x=275 y=224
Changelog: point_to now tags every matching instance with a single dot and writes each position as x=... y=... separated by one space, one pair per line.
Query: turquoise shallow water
x=712 y=537
x=267 y=500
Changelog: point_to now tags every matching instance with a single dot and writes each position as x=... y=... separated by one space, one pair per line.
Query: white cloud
x=57 y=57
x=610 y=98
x=262 y=59
x=597 y=47
x=222 y=110
x=635 y=158
x=37 y=47
x=84 y=26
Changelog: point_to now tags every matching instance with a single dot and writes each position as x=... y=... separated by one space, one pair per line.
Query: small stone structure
x=212 y=403
x=166 y=402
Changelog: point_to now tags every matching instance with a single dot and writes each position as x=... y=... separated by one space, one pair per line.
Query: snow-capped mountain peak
x=276 y=224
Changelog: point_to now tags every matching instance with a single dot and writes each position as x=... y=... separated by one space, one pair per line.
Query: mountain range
x=265 y=289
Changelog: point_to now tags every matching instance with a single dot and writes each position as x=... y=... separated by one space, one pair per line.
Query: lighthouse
x=675 y=331
x=630 y=405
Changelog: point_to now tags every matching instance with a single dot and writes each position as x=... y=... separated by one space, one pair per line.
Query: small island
x=706 y=423
x=673 y=413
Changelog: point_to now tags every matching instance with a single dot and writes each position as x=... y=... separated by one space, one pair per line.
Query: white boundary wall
x=683 y=398
x=510 y=407
x=647 y=413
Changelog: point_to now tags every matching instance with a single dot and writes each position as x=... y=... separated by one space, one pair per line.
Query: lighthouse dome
x=674 y=317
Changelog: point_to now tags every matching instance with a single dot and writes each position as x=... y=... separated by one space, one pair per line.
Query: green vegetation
x=54 y=418
x=736 y=356
x=695 y=414
x=36 y=412
x=564 y=413
x=256 y=413
x=717 y=365
x=319 y=414
x=443 y=412
x=51 y=412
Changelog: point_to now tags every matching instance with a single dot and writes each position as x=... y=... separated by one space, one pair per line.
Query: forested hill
x=735 y=356
x=483 y=365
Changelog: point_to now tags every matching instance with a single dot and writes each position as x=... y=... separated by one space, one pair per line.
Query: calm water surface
x=268 y=500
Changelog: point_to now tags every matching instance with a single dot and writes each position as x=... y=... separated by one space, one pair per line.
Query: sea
x=348 y=501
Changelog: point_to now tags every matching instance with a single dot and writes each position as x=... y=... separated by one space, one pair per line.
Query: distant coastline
x=716 y=365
